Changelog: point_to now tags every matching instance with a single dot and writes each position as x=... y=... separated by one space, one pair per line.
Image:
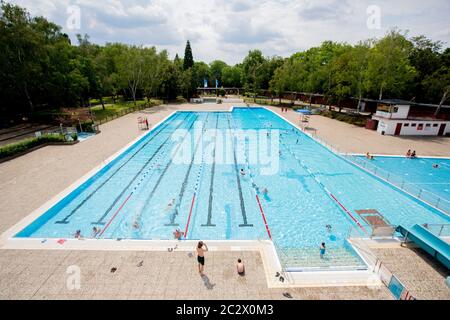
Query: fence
x=414 y=190
x=408 y=187
x=120 y=113
x=440 y=230
x=387 y=277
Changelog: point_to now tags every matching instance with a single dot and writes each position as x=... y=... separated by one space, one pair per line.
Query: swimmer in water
x=328 y=226
x=136 y=225
x=178 y=234
x=77 y=234
x=322 y=250
x=265 y=191
x=435 y=166
x=95 y=231
x=242 y=172
x=171 y=204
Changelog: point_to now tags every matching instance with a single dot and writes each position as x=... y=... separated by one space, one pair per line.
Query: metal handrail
x=380 y=268
x=408 y=187
x=440 y=226
x=422 y=194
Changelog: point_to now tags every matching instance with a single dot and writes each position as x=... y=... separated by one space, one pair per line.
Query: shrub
x=88 y=126
x=15 y=148
x=181 y=99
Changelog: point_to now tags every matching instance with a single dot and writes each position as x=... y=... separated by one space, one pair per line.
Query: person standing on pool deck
x=201 y=249
x=322 y=250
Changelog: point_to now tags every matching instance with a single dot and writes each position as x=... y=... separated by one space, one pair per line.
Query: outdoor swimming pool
x=419 y=171
x=310 y=188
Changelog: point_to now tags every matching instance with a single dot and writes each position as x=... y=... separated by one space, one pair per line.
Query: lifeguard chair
x=304 y=117
x=142 y=123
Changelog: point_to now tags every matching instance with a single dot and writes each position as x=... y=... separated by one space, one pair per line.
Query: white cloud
x=227 y=30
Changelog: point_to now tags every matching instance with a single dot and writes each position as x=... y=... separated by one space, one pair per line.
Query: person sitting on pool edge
x=78 y=235
x=413 y=155
x=240 y=268
x=95 y=231
x=408 y=154
x=369 y=156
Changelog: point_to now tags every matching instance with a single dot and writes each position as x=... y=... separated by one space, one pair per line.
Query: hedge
x=22 y=146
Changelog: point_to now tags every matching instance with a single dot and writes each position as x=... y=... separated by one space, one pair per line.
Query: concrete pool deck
x=29 y=181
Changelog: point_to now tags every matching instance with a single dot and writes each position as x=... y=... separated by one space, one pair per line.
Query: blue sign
x=395 y=287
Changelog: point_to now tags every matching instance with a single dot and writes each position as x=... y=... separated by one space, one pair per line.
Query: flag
x=205 y=83
x=217 y=83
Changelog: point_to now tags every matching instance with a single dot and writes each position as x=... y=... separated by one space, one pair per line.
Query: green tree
x=215 y=69
x=231 y=76
x=252 y=75
x=188 y=61
x=131 y=68
x=389 y=71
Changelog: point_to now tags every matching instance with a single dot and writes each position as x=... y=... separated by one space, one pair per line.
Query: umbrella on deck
x=304 y=112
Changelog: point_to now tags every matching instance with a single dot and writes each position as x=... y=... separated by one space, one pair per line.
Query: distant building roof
x=395 y=101
x=403 y=102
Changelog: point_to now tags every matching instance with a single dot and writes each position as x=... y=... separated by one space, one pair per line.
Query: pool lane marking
x=348 y=212
x=152 y=193
x=324 y=188
x=211 y=184
x=64 y=221
x=196 y=189
x=100 y=221
x=238 y=179
x=189 y=217
x=264 y=217
x=185 y=182
x=115 y=214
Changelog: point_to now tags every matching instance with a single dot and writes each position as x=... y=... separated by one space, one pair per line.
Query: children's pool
x=310 y=188
x=421 y=172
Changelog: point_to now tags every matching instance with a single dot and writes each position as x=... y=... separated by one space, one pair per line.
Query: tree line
x=40 y=69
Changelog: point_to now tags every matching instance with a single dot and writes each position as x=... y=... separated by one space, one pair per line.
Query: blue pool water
x=129 y=197
x=419 y=172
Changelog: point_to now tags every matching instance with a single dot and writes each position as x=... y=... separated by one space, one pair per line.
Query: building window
x=406 y=124
x=413 y=124
x=428 y=124
x=435 y=125
x=420 y=126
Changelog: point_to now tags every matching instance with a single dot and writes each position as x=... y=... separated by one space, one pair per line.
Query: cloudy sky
x=228 y=29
